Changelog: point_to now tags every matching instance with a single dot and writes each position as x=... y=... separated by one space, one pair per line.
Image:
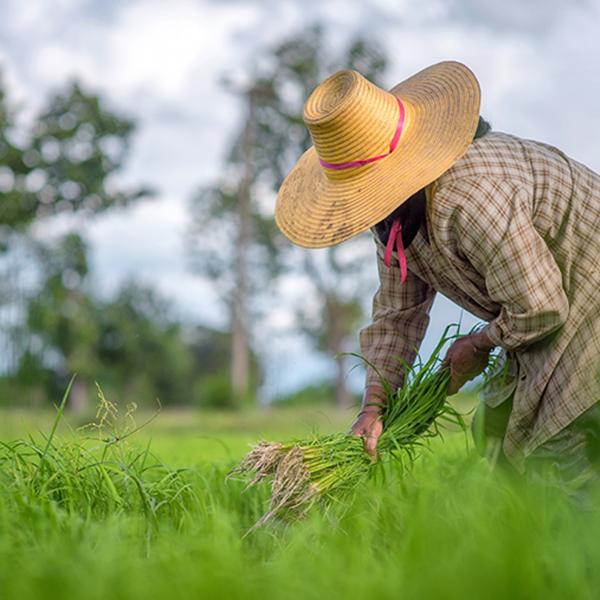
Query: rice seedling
x=326 y=468
x=496 y=536
x=95 y=472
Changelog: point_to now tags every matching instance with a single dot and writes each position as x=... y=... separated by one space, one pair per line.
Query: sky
x=161 y=61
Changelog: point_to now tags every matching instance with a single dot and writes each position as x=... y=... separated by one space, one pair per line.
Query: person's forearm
x=374 y=399
x=467 y=357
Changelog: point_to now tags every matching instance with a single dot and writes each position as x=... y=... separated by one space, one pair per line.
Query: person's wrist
x=373 y=401
x=370 y=410
x=482 y=342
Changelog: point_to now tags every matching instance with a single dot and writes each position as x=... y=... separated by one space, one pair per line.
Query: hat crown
x=349 y=118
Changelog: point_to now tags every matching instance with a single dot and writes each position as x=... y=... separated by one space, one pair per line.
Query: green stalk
x=335 y=464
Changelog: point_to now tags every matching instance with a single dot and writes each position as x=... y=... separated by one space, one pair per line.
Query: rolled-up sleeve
x=493 y=227
x=400 y=317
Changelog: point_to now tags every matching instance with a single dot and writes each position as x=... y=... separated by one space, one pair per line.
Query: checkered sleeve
x=492 y=224
x=399 y=319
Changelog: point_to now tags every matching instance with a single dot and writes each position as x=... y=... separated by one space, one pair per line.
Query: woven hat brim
x=442 y=104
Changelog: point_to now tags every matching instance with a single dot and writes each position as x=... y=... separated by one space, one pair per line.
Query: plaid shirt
x=513 y=236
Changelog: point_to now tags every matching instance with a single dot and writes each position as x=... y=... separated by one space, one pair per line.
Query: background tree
x=14 y=209
x=142 y=350
x=61 y=318
x=211 y=356
x=234 y=241
x=66 y=164
x=332 y=319
x=338 y=276
x=132 y=344
x=63 y=163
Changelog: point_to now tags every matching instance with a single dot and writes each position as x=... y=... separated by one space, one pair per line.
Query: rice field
x=111 y=512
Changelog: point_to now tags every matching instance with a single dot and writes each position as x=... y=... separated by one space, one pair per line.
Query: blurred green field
x=448 y=529
x=189 y=438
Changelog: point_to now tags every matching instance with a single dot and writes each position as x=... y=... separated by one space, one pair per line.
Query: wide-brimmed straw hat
x=373 y=149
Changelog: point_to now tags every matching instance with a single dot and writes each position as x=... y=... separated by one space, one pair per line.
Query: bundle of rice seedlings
x=325 y=468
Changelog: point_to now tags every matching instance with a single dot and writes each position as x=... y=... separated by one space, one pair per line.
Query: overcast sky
x=161 y=60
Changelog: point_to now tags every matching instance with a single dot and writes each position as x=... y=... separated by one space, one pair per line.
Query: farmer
x=507 y=228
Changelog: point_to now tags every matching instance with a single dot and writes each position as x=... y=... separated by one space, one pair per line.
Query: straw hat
x=373 y=149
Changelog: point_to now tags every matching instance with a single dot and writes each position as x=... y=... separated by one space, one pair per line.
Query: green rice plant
x=95 y=472
x=326 y=468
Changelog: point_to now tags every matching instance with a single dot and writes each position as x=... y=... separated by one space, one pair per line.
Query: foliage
x=14 y=208
x=94 y=476
x=142 y=349
x=451 y=529
x=65 y=162
x=61 y=314
x=326 y=468
x=311 y=395
x=132 y=343
x=211 y=355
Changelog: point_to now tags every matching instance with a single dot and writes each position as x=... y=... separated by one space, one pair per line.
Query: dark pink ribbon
x=359 y=163
x=396 y=238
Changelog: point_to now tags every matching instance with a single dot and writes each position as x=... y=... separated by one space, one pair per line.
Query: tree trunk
x=79 y=396
x=343 y=398
x=335 y=327
x=240 y=356
x=240 y=343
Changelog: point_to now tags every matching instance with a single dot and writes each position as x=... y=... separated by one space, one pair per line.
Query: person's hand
x=369 y=427
x=368 y=424
x=467 y=357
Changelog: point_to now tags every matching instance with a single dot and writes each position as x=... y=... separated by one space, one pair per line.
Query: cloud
x=145 y=243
